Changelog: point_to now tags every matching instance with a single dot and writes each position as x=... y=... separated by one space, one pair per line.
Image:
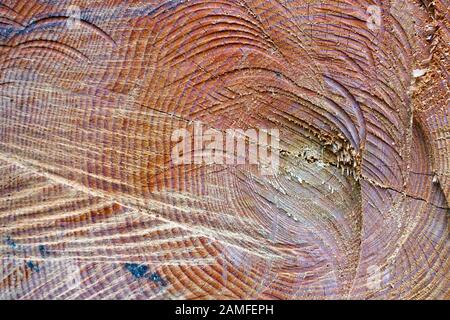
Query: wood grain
x=92 y=207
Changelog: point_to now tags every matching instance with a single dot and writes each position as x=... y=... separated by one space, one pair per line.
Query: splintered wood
x=117 y=180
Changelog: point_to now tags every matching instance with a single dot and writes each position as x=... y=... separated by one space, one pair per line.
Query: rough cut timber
x=91 y=205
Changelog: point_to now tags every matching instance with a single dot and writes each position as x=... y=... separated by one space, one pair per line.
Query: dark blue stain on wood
x=33 y=266
x=166 y=6
x=155 y=277
x=141 y=271
x=10 y=242
x=54 y=26
x=43 y=251
x=5 y=32
x=137 y=270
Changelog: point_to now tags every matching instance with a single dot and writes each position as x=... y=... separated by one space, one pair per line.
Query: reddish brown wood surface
x=92 y=207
